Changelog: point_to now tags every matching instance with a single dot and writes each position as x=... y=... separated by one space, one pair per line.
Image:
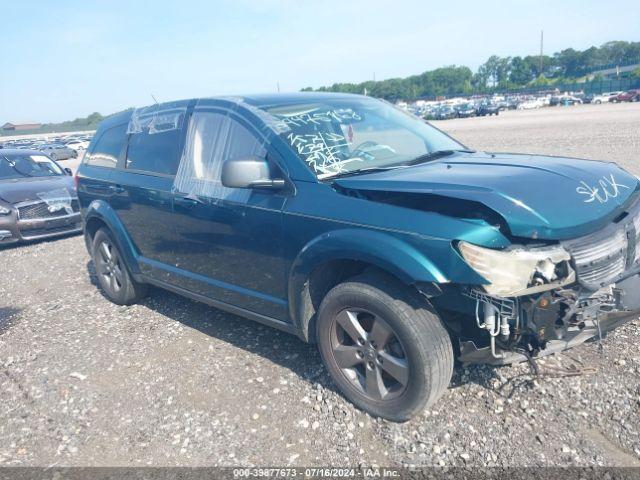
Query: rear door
x=142 y=185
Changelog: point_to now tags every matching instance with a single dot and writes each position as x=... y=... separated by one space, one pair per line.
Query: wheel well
x=91 y=227
x=322 y=279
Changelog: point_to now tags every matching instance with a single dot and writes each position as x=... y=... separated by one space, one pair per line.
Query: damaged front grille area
x=603 y=257
x=41 y=210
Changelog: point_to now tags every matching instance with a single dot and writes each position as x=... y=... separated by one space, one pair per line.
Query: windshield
x=339 y=136
x=20 y=166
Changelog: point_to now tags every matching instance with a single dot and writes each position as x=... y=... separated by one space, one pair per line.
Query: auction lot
x=174 y=382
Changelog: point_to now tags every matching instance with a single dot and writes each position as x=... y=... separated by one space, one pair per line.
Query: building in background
x=17 y=127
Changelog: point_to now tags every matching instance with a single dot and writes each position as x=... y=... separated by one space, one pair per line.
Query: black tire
x=398 y=378
x=113 y=276
x=53 y=156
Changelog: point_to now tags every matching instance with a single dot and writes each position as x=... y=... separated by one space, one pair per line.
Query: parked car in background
x=510 y=104
x=569 y=100
x=58 y=151
x=488 y=108
x=37 y=197
x=465 y=110
x=444 y=112
x=347 y=222
x=76 y=144
x=629 y=96
x=530 y=104
x=601 y=97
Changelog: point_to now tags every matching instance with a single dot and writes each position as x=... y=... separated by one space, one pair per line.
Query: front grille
x=40 y=210
x=601 y=274
x=604 y=256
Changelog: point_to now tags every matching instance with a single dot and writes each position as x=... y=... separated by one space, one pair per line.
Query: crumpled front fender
x=385 y=250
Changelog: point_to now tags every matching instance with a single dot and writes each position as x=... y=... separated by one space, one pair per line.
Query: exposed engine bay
x=509 y=330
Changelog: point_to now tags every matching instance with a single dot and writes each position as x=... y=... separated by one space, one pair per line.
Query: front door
x=228 y=241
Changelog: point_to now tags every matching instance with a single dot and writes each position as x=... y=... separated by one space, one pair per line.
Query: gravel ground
x=173 y=382
x=601 y=132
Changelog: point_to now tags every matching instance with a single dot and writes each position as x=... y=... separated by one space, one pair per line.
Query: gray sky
x=66 y=59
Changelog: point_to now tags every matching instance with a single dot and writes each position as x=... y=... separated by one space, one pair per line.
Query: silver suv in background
x=58 y=151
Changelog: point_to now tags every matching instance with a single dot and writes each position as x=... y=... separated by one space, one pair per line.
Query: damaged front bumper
x=550 y=323
x=14 y=228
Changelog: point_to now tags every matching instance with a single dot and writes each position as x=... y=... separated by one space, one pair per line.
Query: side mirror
x=249 y=172
x=68 y=171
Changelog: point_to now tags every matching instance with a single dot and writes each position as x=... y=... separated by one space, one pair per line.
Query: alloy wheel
x=110 y=266
x=369 y=354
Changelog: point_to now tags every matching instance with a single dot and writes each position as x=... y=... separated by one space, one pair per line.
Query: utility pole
x=278 y=85
x=541 y=50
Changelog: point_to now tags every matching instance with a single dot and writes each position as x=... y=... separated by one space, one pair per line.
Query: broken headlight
x=519 y=271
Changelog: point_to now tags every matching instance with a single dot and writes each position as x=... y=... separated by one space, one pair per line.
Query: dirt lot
x=173 y=382
x=601 y=132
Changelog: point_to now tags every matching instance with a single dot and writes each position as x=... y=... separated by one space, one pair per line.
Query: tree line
x=499 y=73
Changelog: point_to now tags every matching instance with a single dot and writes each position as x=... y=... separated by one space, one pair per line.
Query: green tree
x=541 y=81
x=520 y=73
x=499 y=73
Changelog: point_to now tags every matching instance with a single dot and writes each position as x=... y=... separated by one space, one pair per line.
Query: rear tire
x=113 y=276
x=384 y=346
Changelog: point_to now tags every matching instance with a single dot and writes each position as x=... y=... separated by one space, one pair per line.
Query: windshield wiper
x=421 y=159
x=359 y=171
x=427 y=157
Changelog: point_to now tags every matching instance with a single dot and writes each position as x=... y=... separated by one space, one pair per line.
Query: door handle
x=98 y=186
x=187 y=201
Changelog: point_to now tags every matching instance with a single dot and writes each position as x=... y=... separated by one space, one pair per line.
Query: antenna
x=154 y=99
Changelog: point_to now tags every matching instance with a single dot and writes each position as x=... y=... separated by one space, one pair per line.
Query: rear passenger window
x=155 y=150
x=108 y=147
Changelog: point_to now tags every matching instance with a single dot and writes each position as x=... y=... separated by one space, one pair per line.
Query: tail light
x=76 y=179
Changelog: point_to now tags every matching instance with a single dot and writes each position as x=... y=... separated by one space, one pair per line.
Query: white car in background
x=604 y=97
x=531 y=104
x=77 y=145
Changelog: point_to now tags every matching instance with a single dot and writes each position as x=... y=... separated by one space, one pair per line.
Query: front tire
x=113 y=276
x=384 y=346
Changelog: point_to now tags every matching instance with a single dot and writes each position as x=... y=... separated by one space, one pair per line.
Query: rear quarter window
x=108 y=147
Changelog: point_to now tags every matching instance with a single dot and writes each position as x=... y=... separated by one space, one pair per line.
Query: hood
x=27 y=189
x=538 y=197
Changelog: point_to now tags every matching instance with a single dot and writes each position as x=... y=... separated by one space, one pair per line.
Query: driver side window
x=212 y=139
